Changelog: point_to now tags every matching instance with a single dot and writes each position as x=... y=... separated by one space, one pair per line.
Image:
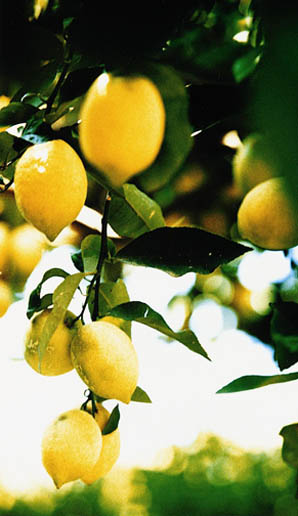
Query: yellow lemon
x=122 y=125
x=50 y=186
x=110 y=448
x=5 y=297
x=71 y=446
x=106 y=360
x=266 y=216
x=250 y=164
x=4 y=245
x=4 y=101
x=26 y=246
x=56 y=358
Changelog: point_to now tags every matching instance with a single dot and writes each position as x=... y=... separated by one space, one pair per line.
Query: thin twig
x=102 y=256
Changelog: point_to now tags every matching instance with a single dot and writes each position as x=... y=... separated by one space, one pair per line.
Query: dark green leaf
x=245 y=383
x=77 y=260
x=284 y=333
x=177 y=140
x=132 y=212
x=15 y=113
x=289 y=450
x=113 y=421
x=36 y=303
x=10 y=149
x=141 y=396
x=181 y=250
x=90 y=248
x=142 y=313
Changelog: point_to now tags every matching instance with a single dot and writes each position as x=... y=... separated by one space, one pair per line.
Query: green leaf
x=284 y=333
x=16 y=113
x=132 y=212
x=181 y=250
x=36 y=303
x=113 y=421
x=140 y=395
x=10 y=148
x=177 y=141
x=245 y=65
x=77 y=260
x=62 y=297
x=246 y=383
x=112 y=294
x=90 y=248
x=142 y=313
x=289 y=450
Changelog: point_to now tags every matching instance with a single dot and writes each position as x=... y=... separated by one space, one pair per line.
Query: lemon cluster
x=267 y=217
x=74 y=447
x=103 y=355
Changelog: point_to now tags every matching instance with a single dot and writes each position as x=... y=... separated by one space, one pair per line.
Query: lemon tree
x=131 y=120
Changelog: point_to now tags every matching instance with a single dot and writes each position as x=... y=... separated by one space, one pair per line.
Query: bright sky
x=181 y=384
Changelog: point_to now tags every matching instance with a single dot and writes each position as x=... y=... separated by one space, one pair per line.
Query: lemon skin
x=122 y=126
x=267 y=218
x=56 y=359
x=106 y=360
x=6 y=297
x=50 y=186
x=26 y=246
x=250 y=165
x=110 y=448
x=71 y=446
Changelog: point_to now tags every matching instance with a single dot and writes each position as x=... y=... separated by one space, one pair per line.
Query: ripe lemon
x=250 y=164
x=122 y=125
x=106 y=360
x=50 y=186
x=4 y=101
x=110 y=448
x=5 y=297
x=26 y=246
x=267 y=218
x=4 y=244
x=71 y=446
x=56 y=358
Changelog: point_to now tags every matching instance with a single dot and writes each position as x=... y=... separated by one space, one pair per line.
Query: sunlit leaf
x=36 y=303
x=90 y=248
x=111 y=294
x=248 y=382
x=181 y=250
x=62 y=297
x=140 y=395
x=142 y=313
x=132 y=212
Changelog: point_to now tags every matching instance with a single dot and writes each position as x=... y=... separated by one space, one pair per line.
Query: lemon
x=106 y=360
x=110 y=448
x=250 y=164
x=122 y=125
x=56 y=358
x=5 y=297
x=4 y=244
x=267 y=218
x=71 y=446
x=4 y=101
x=25 y=249
x=50 y=186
